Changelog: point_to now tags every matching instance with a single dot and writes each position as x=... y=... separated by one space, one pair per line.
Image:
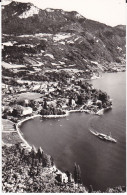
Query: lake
x=68 y=140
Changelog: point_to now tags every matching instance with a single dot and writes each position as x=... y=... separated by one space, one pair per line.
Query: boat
x=100 y=112
x=104 y=136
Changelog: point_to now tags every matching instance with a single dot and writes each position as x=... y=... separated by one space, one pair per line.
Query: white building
x=26 y=111
x=36 y=87
x=73 y=103
x=64 y=178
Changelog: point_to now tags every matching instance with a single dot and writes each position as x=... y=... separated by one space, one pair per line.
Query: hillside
x=57 y=38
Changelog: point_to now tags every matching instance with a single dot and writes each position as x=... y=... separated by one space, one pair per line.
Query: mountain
x=59 y=38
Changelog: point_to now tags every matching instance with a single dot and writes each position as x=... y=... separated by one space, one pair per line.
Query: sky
x=110 y=12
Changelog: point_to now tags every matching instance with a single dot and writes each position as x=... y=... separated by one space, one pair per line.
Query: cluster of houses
x=26 y=86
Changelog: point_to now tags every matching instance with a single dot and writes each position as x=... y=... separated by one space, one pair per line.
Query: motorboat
x=104 y=136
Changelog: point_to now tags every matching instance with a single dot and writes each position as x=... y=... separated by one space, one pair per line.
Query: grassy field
x=7 y=126
x=29 y=96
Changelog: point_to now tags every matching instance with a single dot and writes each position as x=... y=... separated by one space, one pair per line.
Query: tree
x=70 y=101
x=102 y=96
x=44 y=160
x=52 y=161
x=77 y=174
x=21 y=102
x=17 y=111
x=48 y=160
x=40 y=154
x=33 y=154
x=45 y=105
x=99 y=104
x=80 y=100
x=32 y=104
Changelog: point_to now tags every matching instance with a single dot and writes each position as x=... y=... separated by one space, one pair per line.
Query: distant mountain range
x=59 y=37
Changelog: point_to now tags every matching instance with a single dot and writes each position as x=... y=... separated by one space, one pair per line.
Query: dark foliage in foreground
x=24 y=171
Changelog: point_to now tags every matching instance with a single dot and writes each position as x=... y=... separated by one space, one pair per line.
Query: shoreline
x=21 y=134
x=18 y=124
x=27 y=145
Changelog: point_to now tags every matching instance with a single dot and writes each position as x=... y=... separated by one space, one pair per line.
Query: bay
x=68 y=140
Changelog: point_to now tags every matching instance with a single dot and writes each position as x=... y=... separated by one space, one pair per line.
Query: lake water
x=68 y=140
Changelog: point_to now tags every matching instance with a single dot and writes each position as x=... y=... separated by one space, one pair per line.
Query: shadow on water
x=88 y=155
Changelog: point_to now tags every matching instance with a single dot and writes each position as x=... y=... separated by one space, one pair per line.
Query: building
x=26 y=111
x=62 y=177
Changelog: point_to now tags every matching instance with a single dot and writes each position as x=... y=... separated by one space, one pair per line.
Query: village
x=50 y=98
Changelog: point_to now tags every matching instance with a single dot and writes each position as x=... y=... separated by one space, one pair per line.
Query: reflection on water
x=69 y=140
